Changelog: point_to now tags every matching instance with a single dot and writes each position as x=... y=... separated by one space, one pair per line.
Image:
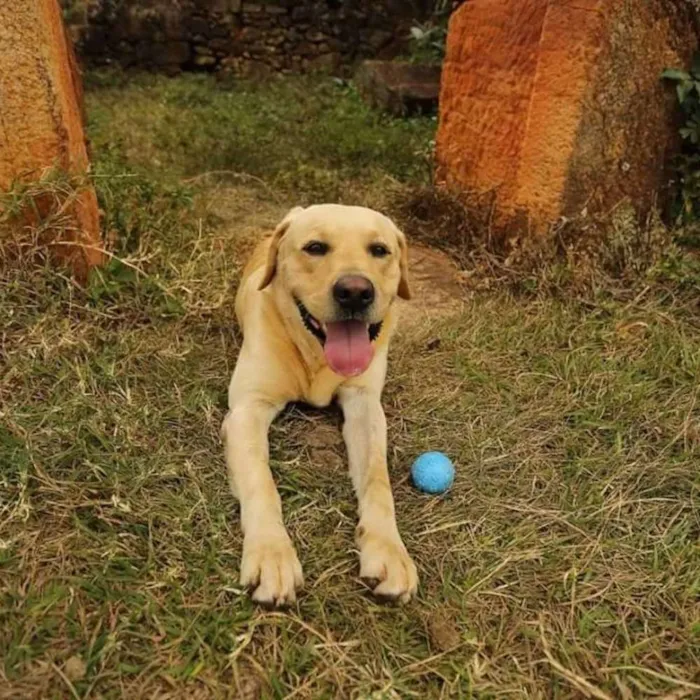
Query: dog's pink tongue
x=347 y=348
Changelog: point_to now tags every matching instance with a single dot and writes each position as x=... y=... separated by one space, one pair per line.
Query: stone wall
x=243 y=37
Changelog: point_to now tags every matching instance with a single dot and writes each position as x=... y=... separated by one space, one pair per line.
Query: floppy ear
x=271 y=265
x=404 y=287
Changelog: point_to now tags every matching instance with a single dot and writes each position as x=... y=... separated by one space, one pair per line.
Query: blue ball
x=433 y=472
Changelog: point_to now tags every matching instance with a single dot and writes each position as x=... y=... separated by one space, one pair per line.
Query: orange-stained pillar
x=41 y=124
x=556 y=108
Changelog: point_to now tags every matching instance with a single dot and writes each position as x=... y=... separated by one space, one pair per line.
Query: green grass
x=563 y=563
x=311 y=137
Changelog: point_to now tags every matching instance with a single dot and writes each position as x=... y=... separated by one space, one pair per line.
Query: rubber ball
x=433 y=472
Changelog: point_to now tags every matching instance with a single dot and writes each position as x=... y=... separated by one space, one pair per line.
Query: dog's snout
x=353 y=292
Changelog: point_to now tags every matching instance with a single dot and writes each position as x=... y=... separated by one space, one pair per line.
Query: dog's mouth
x=347 y=344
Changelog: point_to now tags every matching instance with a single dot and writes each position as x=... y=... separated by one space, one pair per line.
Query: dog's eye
x=316 y=248
x=378 y=250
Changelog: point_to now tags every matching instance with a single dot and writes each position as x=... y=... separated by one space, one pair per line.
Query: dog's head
x=342 y=267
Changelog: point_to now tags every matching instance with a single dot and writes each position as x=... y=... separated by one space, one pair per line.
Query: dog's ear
x=277 y=236
x=404 y=291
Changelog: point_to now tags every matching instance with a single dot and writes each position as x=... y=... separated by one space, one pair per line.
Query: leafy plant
x=687 y=204
x=428 y=42
x=119 y=283
x=428 y=38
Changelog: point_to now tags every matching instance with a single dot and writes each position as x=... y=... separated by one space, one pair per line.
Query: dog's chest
x=323 y=387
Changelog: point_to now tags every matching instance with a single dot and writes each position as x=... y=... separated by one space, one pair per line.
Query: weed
x=579 y=256
x=686 y=209
x=428 y=41
x=428 y=38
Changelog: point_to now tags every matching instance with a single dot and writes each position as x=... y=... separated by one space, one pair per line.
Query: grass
x=307 y=137
x=563 y=563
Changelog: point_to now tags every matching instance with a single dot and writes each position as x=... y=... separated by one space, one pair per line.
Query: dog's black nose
x=353 y=293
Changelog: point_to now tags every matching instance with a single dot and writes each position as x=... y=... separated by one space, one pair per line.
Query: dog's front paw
x=386 y=565
x=270 y=566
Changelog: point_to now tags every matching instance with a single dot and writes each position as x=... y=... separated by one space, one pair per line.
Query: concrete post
x=41 y=125
x=556 y=108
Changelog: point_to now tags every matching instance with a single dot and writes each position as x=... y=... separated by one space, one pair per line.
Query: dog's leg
x=383 y=557
x=269 y=562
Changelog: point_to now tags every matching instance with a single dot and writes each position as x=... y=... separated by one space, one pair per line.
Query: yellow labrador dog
x=316 y=306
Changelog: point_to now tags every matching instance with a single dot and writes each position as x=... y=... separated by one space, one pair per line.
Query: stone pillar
x=556 y=106
x=41 y=123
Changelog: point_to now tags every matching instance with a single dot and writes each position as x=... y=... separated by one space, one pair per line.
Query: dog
x=316 y=305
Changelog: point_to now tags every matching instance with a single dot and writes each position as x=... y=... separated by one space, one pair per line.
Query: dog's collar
x=316 y=329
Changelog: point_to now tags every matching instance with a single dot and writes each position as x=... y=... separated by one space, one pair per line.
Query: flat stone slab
x=402 y=89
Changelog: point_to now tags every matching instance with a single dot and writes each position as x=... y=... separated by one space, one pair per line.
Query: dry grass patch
x=565 y=558
x=583 y=256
